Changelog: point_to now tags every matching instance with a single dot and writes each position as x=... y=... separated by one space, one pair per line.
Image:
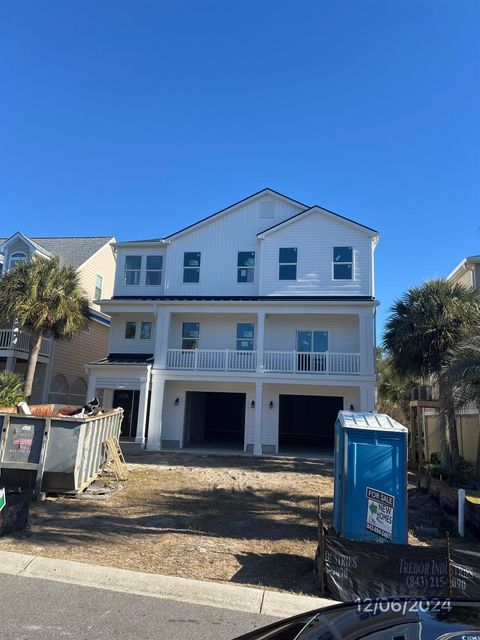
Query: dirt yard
x=238 y=519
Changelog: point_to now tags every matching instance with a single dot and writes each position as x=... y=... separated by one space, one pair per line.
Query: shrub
x=11 y=390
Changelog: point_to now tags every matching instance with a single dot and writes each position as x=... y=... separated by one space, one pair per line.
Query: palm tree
x=393 y=390
x=45 y=297
x=461 y=373
x=11 y=392
x=424 y=326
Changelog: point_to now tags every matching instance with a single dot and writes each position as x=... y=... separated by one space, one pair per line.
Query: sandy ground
x=239 y=519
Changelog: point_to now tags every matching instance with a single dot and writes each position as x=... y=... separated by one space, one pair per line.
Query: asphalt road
x=33 y=609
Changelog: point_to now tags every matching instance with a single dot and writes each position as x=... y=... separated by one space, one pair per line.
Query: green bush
x=11 y=390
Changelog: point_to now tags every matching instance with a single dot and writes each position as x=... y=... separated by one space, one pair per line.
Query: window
x=98 y=287
x=130 y=330
x=58 y=390
x=245 y=266
x=245 y=336
x=15 y=258
x=146 y=331
x=342 y=263
x=190 y=334
x=78 y=392
x=191 y=266
x=312 y=341
x=133 y=266
x=153 y=274
x=287 y=264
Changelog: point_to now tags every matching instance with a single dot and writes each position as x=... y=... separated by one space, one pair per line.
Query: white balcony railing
x=19 y=340
x=274 y=361
x=298 y=362
x=211 y=360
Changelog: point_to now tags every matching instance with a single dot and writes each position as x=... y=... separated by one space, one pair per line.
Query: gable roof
x=314 y=209
x=71 y=250
x=262 y=192
x=464 y=263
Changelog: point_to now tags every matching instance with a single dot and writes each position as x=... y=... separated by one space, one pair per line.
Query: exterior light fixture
x=252 y=404
x=271 y=404
x=177 y=402
x=352 y=408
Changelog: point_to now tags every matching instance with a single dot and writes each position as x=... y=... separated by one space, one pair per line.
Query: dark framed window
x=190 y=335
x=246 y=266
x=133 y=268
x=153 y=273
x=342 y=263
x=191 y=266
x=287 y=263
x=245 y=336
x=130 y=330
x=146 y=331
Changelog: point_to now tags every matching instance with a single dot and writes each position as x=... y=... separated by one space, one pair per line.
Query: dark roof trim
x=126 y=358
x=250 y=298
x=317 y=206
x=230 y=206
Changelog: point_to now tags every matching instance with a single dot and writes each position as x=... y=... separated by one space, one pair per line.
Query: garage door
x=215 y=419
x=307 y=422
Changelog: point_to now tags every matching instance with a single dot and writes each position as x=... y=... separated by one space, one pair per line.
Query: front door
x=128 y=400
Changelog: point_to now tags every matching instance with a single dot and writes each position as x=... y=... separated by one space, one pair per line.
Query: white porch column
x=367 y=397
x=257 y=434
x=161 y=339
x=366 y=330
x=260 y=340
x=92 y=385
x=156 y=410
x=142 y=408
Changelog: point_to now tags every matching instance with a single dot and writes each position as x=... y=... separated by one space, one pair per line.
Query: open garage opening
x=214 y=419
x=306 y=423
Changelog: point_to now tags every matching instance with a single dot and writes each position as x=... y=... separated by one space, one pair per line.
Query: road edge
x=212 y=594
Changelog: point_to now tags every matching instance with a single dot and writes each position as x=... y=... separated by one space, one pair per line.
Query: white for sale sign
x=380 y=509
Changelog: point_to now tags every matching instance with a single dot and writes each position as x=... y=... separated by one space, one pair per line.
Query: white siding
x=118 y=344
x=219 y=243
x=314 y=236
x=216 y=331
x=343 y=335
x=463 y=277
x=350 y=395
x=174 y=416
x=122 y=289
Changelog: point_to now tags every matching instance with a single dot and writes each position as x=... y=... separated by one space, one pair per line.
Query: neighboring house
x=467 y=273
x=249 y=329
x=60 y=374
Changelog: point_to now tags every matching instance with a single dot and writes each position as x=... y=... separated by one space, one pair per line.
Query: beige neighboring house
x=60 y=374
x=467 y=274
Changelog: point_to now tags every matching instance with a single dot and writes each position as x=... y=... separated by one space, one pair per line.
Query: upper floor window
x=17 y=257
x=287 y=263
x=146 y=331
x=153 y=273
x=190 y=335
x=133 y=267
x=342 y=263
x=130 y=330
x=245 y=266
x=98 y=287
x=245 y=336
x=191 y=266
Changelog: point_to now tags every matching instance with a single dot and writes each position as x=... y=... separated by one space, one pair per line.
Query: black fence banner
x=354 y=569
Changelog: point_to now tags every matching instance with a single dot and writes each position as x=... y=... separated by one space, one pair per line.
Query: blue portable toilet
x=370 y=492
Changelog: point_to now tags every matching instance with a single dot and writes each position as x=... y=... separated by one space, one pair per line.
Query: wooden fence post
x=321 y=546
x=449 y=563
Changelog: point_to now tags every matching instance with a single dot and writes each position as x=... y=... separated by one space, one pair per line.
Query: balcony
x=326 y=363
x=19 y=340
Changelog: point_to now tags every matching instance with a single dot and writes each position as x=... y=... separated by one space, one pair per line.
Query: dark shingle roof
x=126 y=358
x=70 y=250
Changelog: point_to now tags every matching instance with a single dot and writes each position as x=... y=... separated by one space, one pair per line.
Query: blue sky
x=136 y=118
